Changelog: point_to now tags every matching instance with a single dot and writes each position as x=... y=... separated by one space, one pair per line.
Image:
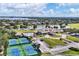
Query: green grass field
x=75 y=39
x=53 y=42
x=71 y=53
x=23 y=31
x=76 y=25
x=0 y=33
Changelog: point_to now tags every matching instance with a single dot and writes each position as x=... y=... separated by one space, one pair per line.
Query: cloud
x=22 y=9
x=26 y=10
x=67 y=4
x=68 y=9
x=73 y=10
x=39 y=10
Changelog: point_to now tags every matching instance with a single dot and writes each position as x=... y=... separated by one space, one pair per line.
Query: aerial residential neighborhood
x=39 y=29
x=25 y=38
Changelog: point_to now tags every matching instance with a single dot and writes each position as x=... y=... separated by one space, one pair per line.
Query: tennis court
x=20 y=47
x=24 y=40
x=29 y=50
x=13 y=42
x=15 y=51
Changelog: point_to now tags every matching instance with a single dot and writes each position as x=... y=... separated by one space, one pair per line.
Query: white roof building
x=64 y=36
x=67 y=27
x=30 y=27
x=58 y=26
x=18 y=34
x=47 y=36
x=39 y=27
x=28 y=34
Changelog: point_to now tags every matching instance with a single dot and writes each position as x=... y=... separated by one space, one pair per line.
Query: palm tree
x=47 y=24
x=34 y=26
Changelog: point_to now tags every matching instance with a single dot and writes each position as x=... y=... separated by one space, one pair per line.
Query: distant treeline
x=54 y=20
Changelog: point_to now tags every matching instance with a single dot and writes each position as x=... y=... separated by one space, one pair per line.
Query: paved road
x=53 y=51
x=43 y=46
x=73 y=44
x=56 y=50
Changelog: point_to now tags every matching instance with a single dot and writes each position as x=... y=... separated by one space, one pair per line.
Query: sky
x=40 y=9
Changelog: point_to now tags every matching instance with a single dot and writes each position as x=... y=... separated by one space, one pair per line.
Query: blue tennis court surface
x=13 y=42
x=24 y=40
x=30 y=51
x=20 y=47
x=14 y=51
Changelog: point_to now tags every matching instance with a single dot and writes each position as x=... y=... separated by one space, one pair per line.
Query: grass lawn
x=75 y=39
x=40 y=36
x=58 y=34
x=0 y=33
x=76 y=25
x=71 y=53
x=22 y=31
x=53 y=42
x=50 y=37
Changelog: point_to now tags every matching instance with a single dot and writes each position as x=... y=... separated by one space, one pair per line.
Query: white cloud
x=35 y=9
x=73 y=10
x=61 y=4
x=22 y=9
x=67 y=4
